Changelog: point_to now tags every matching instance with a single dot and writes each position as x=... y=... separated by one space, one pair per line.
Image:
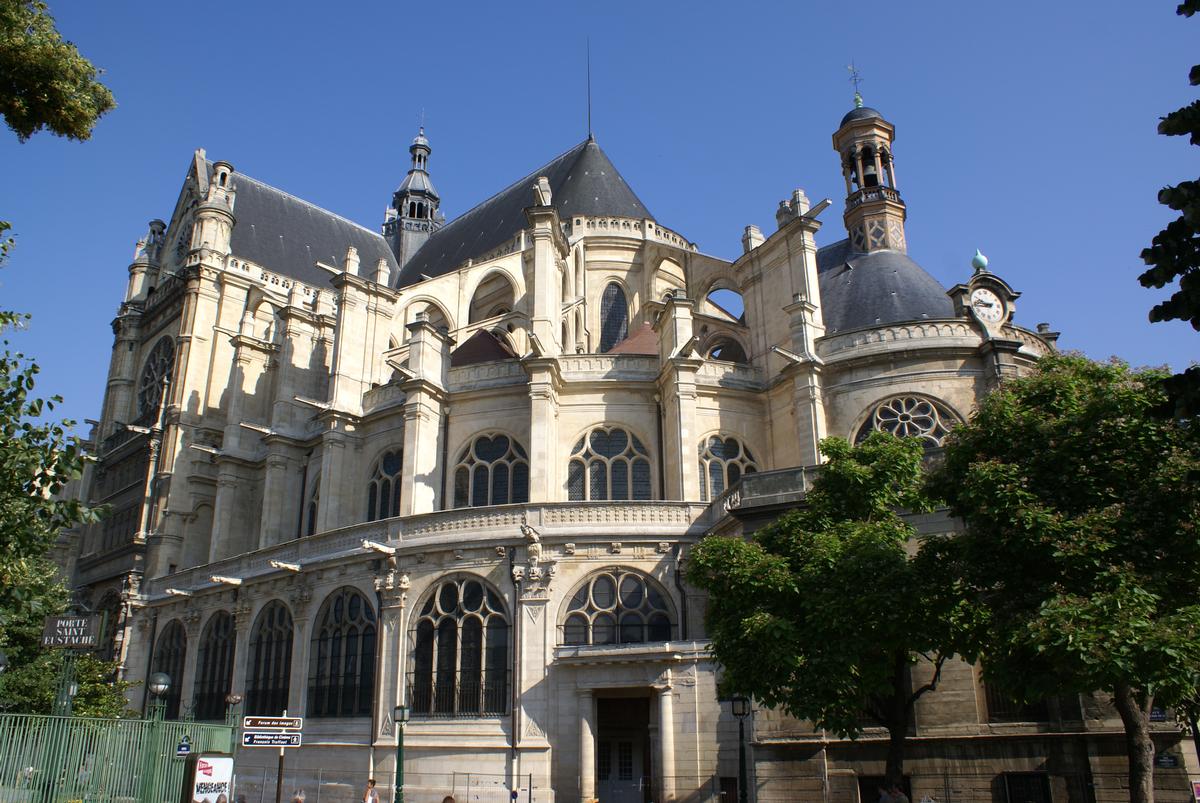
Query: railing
x=868 y=194
x=611 y=634
x=460 y=697
x=75 y=758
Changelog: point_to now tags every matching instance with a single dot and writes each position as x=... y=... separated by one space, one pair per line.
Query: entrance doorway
x=624 y=768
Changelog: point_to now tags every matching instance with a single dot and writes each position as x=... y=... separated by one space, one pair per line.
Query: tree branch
x=933 y=682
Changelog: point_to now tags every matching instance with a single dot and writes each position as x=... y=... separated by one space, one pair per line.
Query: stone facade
x=459 y=467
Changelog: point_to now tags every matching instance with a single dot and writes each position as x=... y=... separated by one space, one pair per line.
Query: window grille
x=909 y=417
x=1026 y=787
x=169 y=655
x=1002 y=707
x=214 y=671
x=460 y=652
x=492 y=470
x=269 y=673
x=383 y=489
x=608 y=463
x=341 y=676
x=617 y=607
x=614 y=317
x=723 y=461
x=155 y=374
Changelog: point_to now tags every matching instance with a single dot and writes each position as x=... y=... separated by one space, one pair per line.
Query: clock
x=987 y=305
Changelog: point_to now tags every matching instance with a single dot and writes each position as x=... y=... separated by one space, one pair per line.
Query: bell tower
x=414 y=213
x=875 y=212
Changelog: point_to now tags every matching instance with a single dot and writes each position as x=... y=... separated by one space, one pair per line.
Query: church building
x=458 y=466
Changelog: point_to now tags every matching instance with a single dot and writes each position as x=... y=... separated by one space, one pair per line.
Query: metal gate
x=60 y=759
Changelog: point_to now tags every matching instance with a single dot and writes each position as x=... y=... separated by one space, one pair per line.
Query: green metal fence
x=62 y=759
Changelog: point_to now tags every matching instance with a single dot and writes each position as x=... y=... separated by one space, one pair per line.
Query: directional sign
x=184 y=747
x=272 y=723
x=253 y=739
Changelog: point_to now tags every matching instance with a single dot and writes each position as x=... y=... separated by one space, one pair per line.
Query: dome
x=882 y=287
x=860 y=113
x=420 y=139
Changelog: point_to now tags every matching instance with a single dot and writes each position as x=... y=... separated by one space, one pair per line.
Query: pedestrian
x=898 y=795
x=371 y=794
x=448 y=799
x=884 y=797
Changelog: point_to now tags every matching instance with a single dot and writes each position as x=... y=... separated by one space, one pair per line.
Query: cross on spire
x=856 y=79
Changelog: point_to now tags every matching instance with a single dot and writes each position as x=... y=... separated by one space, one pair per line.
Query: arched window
x=383 y=489
x=269 y=674
x=608 y=463
x=169 y=654
x=614 y=317
x=460 y=652
x=313 y=507
x=341 y=674
x=723 y=461
x=492 y=470
x=155 y=374
x=617 y=606
x=214 y=667
x=909 y=417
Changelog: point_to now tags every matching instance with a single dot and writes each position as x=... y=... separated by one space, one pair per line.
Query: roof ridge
x=273 y=188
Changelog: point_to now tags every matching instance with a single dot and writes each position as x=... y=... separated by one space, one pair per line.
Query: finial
x=979 y=262
x=589 y=89
x=856 y=79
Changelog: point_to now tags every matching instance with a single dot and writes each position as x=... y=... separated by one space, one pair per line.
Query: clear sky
x=1024 y=128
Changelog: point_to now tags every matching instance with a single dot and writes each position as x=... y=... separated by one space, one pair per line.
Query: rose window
x=909 y=417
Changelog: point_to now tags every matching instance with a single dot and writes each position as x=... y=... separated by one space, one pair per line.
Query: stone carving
x=501 y=552
x=569 y=548
x=615 y=547
x=393 y=584
x=534 y=540
x=533 y=730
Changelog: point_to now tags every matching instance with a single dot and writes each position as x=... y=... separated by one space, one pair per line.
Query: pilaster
x=677 y=394
x=550 y=249
x=424 y=413
x=545 y=483
x=392 y=590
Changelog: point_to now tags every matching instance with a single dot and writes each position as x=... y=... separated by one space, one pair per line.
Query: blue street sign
x=183 y=748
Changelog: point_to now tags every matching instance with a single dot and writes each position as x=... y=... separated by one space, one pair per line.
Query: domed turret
x=414 y=213
x=875 y=212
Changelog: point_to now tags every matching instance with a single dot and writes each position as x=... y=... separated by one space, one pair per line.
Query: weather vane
x=856 y=79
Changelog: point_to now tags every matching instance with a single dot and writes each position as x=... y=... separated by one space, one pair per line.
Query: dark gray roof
x=877 y=288
x=582 y=181
x=861 y=113
x=284 y=234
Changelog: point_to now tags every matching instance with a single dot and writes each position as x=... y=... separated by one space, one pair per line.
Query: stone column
x=274 y=524
x=393 y=587
x=243 y=620
x=333 y=468
x=587 y=746
x=677 y=391
x=424 y=409
x=544 y=456
x=223 y=540
x=666 y=742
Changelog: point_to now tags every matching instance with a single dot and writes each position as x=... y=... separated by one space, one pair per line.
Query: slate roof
x=284 y=234
x=877 y=288
x=861 y=113
x=582 y=181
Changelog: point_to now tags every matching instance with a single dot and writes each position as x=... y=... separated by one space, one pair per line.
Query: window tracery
x=608 y=463
x=460 y=652
x=723 y=461
x=341 y=679
x=614 y=317
x=909 y=417
x=169 y=655
x=383 y=489
x=492 y=470
x=214 y=670
x=617 y=607
x=269 y=673
x=156 y=373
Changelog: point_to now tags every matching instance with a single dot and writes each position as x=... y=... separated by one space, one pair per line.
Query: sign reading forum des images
x=72 y=632
x=208 y=779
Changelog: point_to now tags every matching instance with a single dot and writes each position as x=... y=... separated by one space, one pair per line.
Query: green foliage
x=1174 y=253
x=1082 y=553
x=45 y=83
x=822 y=611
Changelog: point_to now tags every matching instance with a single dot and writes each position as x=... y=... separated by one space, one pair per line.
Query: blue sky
x=1026 y=129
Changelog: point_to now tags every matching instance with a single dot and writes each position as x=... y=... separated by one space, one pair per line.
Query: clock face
x=987 y=305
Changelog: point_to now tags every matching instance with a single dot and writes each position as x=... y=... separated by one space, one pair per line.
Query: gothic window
x=460 y=652
x=723 y=461
x=492 y=470
x=909 y=417
x=383 y=489
x=341 y=675
x=268 y=676
x=608 y=463
x=169 y=654
x=313 y=507
x=156 y=372
x=214 y=667
x=617 y=606
x=614 y=317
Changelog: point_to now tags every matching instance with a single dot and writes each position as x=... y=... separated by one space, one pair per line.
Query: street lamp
x=400 y=716
x=158 y=684
x=741 y=709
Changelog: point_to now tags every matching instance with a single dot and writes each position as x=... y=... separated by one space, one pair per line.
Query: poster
x=209 y=779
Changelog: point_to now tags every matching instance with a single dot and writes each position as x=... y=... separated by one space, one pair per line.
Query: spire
x=414 y=213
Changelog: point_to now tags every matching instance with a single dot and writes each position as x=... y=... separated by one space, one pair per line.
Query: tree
x=45 y=83
x=824 y=611
x=1174 y=254
x=1081 y=556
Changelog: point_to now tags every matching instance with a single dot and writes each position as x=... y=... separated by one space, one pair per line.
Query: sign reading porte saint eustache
x=72 y=632
x=272 y=723
x=256 y=739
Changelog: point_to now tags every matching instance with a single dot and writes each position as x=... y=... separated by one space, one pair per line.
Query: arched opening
x=268 y=676
x=726 y=303
x=341 y=673
x=494 y=296
x=169 y=655
x=214 y=667
x=433 y=313
x=727 y=349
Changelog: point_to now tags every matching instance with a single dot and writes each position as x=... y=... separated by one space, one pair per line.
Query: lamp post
x=159 y=684
x=400 y=716
x=741 y=709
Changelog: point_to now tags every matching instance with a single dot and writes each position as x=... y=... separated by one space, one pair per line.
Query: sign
x=272 y=723
x=257 y=739
x=1196 y=790
x=183 y=748
x=208 y=778
x=71 y=632
x=1166 y=761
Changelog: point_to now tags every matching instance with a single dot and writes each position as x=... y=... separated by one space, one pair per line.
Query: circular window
x=155 y=374
x=909 y=417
